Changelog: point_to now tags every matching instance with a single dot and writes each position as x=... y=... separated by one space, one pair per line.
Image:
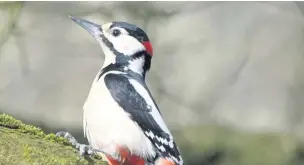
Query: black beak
x=92 y=28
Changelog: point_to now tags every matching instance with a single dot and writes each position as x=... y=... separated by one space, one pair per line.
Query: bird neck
x=139 y=63
x=136 y=65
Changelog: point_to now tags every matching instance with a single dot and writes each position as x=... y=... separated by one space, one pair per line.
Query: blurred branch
x=13 y=10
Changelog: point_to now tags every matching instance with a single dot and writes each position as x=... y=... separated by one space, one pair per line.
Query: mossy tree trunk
x=22 y=144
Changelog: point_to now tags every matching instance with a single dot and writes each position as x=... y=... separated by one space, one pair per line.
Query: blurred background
x=228 y=76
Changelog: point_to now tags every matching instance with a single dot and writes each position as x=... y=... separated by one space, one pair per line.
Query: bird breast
x=107 y=125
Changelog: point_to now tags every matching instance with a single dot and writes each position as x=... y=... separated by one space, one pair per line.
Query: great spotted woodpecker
x=121 y=119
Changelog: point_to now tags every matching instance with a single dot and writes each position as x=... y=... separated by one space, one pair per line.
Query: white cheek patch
x=123 y=43
x=126 y=44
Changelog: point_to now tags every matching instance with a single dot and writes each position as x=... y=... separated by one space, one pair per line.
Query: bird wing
x=139 y=104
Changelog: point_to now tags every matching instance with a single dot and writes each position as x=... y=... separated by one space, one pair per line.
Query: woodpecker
x=120 y=118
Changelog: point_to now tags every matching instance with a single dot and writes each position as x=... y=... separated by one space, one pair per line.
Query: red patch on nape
x=148 y=46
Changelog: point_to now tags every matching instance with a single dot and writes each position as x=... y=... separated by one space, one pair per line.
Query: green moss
x=9 y=121
x=28 y=145
x=52 y=137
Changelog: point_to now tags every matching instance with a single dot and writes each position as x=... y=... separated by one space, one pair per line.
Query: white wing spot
x=162 y=140
x=174 y=158
x=150 y=134
x=166 y=142
x=162 y=148
x=171 y=144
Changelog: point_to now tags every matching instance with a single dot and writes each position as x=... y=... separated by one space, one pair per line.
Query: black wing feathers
x=133 y=103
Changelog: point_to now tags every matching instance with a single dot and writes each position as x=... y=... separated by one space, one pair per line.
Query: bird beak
x=92 y=28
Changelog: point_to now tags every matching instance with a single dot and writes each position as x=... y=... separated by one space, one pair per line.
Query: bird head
x=123 y=44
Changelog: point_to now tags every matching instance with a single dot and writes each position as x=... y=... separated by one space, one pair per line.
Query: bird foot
x=83 y=148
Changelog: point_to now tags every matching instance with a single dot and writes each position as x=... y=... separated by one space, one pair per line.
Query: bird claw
x=83 y=148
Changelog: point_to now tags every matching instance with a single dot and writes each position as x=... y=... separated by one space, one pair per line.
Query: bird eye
x=116 y=32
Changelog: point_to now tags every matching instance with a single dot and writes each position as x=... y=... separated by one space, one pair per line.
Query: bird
x=120 y=116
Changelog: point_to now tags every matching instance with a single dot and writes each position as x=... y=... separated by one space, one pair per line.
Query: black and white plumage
x=120 y=110
x=133 y=96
